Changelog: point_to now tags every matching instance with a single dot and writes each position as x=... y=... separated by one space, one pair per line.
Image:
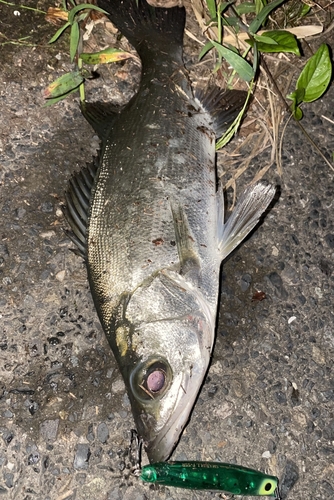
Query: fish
x=148 y=218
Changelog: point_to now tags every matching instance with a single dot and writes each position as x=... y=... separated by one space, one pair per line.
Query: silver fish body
x=154 y=236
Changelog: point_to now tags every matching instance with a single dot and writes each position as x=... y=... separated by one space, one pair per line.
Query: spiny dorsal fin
x=100 y=116
x=77 y=205
x=223 y=105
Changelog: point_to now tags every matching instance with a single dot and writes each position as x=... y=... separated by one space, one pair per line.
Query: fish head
x=165 y=381
x=167 y=345
x=162 y=339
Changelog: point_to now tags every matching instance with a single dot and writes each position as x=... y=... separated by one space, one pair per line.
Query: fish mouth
x=159 y=445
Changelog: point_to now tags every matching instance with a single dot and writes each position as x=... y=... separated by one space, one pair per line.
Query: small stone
x=330 y=240
x=277 y=283
x=118 y=386
x=20 y=213
x=102 y=432
x=272 y=446
x=33 y=458
x=245 y=282
x=82 y=456
x=290 y=477
x=49 y=429
x=8 y=414
x=60 y=276
x=280 y=397
x=90 y=434
x=47 y=207
x=9 y=479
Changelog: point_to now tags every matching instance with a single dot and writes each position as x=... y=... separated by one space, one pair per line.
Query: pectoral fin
x=186 y=246
x=249 y=208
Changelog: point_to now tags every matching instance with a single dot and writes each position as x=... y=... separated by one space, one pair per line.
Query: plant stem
x=20 y=6
x=287 y=107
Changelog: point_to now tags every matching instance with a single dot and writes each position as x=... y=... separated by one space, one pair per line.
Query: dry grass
x=264 y=126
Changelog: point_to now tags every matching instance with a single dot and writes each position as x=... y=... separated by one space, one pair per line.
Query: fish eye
x=150 y=379
x=155 y=381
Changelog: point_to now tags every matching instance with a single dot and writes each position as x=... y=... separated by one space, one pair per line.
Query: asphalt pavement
x=65 y=418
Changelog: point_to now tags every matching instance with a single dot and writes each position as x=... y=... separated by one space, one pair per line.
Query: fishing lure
x=230 y=478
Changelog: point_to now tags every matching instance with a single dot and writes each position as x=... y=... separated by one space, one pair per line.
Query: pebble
x=277 y=282
x=49 y=429
x=9 y=479
x=290 y=477
x=82 y=456
x=102 y=432
x=245 y=282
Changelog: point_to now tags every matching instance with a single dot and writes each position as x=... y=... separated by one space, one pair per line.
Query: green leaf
x=105 y=56
x=64 y=84
x=207 y=47
x=297 y=113
x=262 y=16
x=236 y=123
x=297 y=97
x=305 y=10
x=54 y=100
x=240 y=65
x=59 y=32
x=256 y=57
x=316 y=75
x=212 y=8
x=223 y=6
x=231 y=21
x=259 y=5
x=245 y=8
x=276 y=41
x=264 y=39
x=74 y=40
x=83 y=6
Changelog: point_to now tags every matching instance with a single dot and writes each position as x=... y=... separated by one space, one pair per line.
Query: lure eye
x=268 y=487
x=151 y=379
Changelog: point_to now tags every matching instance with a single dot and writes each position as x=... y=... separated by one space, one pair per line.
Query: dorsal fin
x=223 y=105
x=77 y=205
x=100 y=116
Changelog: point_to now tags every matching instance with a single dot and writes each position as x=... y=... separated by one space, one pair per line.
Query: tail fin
x=150 y=30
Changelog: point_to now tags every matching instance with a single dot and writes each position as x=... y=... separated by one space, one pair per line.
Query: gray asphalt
x=65 y=418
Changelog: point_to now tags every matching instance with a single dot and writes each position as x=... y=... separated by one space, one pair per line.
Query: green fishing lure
x=211 y=476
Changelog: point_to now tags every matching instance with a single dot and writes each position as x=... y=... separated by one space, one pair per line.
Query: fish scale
x=153 y=236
